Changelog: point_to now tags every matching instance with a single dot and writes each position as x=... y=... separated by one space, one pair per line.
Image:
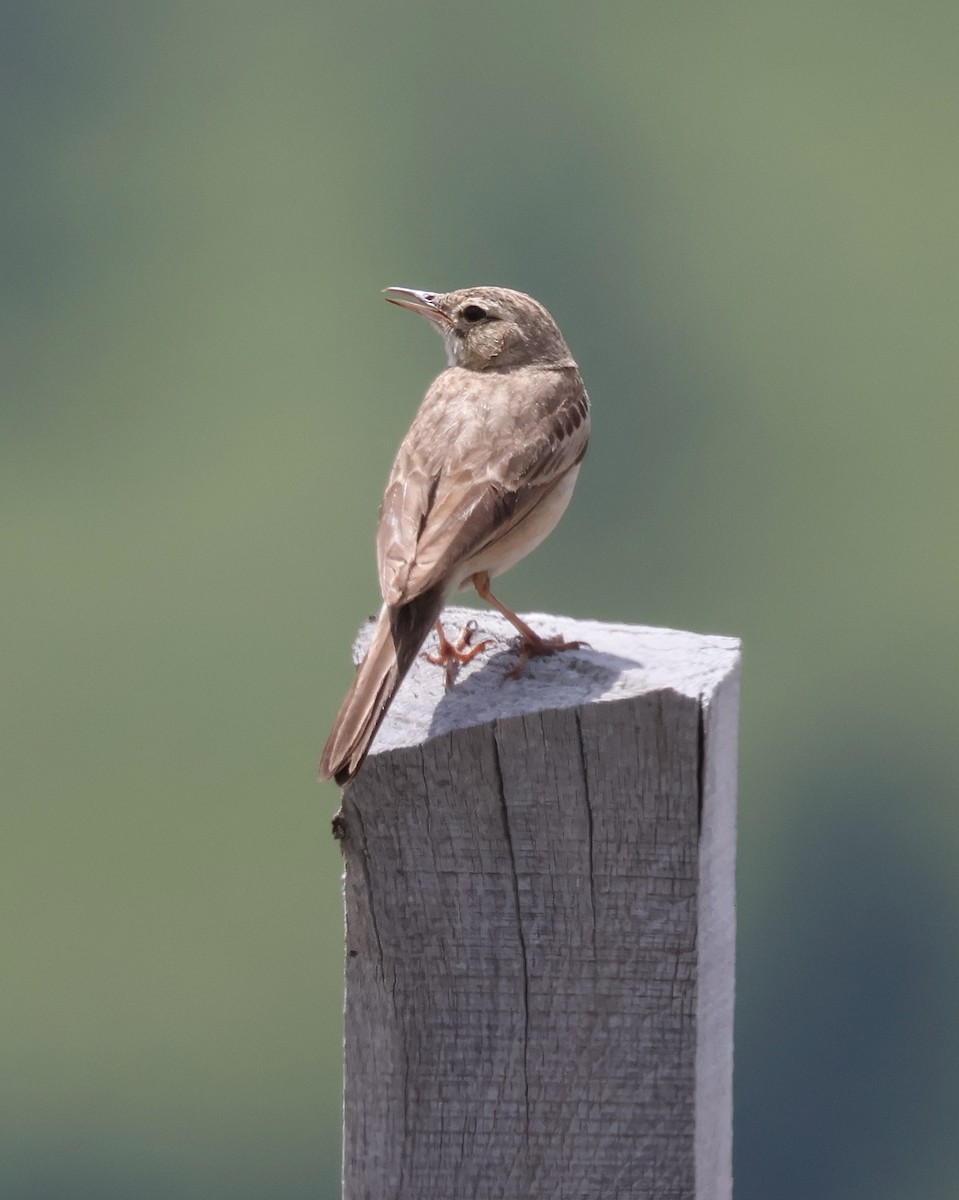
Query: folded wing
x=472 y=467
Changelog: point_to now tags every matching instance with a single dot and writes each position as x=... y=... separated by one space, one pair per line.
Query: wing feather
x=483 y=451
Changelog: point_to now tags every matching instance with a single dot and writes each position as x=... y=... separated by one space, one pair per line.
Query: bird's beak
x=423 y=303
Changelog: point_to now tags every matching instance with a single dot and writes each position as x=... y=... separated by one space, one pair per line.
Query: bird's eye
x=473 y=313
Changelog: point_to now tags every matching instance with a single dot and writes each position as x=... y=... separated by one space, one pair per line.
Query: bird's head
x=489 y=328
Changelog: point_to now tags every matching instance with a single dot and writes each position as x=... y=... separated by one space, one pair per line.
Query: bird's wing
x=482 y=453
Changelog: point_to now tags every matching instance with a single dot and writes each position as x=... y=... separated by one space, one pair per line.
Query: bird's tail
x=397 y=638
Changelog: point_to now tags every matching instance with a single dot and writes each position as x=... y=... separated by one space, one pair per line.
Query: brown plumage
x=481 y=478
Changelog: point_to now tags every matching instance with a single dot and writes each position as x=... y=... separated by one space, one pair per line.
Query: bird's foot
x=539 y=647
x=452 y=654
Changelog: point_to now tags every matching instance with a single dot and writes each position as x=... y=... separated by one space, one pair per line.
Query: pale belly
x=524 y=537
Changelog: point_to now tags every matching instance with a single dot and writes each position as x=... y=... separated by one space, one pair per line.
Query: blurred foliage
x=743 y=217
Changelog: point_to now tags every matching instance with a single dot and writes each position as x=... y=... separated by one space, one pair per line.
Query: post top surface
x=619 y=662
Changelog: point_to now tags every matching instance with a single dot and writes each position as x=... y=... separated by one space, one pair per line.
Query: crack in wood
x=507 y=832
x=589 y=829
x=363 y=859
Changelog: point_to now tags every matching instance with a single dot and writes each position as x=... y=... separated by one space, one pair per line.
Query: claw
x=539 y=647
x=451 y=655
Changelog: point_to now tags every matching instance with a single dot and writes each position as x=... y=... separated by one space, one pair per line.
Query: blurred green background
x=744 y=218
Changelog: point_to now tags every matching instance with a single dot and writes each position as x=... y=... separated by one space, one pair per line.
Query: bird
x=484 y=474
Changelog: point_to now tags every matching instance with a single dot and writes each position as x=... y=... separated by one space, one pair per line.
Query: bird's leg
x=533 y=645
x=451 y=655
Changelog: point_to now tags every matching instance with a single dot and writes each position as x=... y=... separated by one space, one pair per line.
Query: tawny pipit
x=483 y=476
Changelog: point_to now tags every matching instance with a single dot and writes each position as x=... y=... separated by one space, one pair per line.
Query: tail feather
x=399 y=634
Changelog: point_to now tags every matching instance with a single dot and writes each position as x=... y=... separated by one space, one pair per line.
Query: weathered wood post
x=540 y=915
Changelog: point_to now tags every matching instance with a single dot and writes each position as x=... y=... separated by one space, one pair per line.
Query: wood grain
x=540 y=928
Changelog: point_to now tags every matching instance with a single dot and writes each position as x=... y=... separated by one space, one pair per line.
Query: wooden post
x=540 y=918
